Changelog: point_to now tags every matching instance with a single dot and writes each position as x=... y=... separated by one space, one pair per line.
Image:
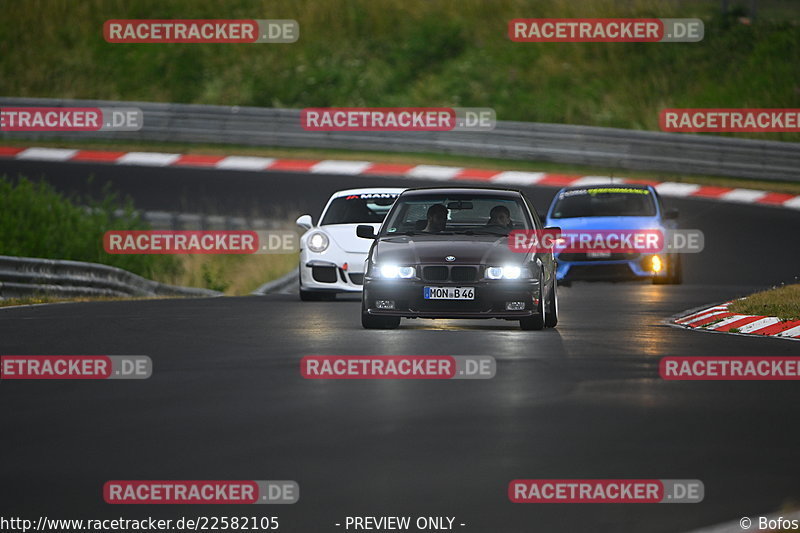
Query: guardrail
x=27 y=276
x=168 y=220
x=286 y=284
x=585 y=145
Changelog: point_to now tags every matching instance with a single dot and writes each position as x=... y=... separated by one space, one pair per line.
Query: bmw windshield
x=457 y=214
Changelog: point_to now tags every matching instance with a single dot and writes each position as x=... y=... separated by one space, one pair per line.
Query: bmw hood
x=464 y=249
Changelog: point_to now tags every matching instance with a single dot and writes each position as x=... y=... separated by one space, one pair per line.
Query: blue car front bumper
x=605 y=270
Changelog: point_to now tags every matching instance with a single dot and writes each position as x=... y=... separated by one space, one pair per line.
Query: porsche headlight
x=505 y=272
x=394 y=272
x=318 y=242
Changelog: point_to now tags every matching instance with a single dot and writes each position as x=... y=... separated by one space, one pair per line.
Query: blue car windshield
x=604 y=202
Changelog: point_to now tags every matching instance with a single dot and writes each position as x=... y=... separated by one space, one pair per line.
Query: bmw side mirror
x=670 y=214
x=555 y=236
x=305 y=222
x=365 y=232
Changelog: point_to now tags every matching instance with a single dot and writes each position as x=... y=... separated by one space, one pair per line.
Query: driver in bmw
x=437 y=217
x=500 y=216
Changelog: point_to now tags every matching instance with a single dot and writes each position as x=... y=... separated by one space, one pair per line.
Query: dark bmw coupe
x=444 y=253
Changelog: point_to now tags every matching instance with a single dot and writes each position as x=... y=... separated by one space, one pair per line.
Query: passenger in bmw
x=500 y=216
x=437 y=217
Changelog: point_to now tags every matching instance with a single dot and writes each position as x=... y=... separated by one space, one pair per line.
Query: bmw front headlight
x=318 y=242
x=395 y=272
x=506 y=272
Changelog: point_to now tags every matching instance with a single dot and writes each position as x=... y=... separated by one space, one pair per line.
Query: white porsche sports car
x=332 y=257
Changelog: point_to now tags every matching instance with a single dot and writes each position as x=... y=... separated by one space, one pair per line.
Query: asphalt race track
x=226 y=400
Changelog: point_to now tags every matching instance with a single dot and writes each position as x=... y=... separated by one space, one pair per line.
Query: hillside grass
x=412 y=53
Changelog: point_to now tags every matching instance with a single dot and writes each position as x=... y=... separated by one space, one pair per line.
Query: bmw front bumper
x=606 y=270
x=491 y=299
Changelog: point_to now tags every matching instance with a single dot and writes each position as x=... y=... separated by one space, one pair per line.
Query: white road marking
x=518 y=178
x=47 y=154
x=758 y=324
x=671 y=188
x=148 y=159
x=235 y=162
x=743 y=195
x=433 y=172
x=340 y=167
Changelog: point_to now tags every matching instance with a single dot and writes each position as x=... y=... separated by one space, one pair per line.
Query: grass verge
x=44 y=299
x=37 y=221
x=233 y=275
x=782 y=302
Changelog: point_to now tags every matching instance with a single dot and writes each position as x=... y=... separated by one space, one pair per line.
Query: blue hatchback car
x=619 y=208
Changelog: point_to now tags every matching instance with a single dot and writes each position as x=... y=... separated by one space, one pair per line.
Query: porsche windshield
x=604 y=202
x=454 y=214
x=359 y=208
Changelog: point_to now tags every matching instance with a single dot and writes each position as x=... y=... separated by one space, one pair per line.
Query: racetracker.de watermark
x=398 y=367
x=712 y=368
x=75 y=367
x=201 y=492
x=606 y=491
x=605 y=30
x=254 y=522
x=730 y=120
x=194 y=31
x=648 y=241
x=236 y=242
x=398 y=119
x=71 y=119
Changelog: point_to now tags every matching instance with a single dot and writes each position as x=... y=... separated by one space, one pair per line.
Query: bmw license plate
x=449 y=293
